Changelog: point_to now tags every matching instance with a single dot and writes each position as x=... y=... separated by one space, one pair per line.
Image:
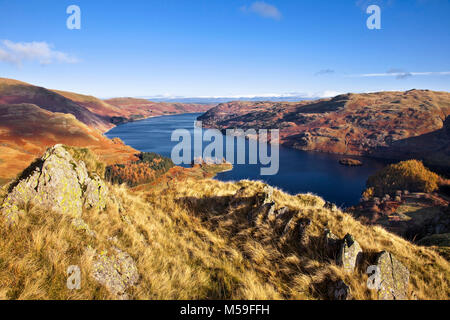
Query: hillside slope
x=200 y=239
x=26 y=131
x=34 y=118
x=96 y=113
x=394 y=125
x=136 y=109
x=16 y=92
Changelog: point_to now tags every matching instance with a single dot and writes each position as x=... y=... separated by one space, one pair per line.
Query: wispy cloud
x=18 y=52
x=400 y=74
x=263 y=9
x=324 y=72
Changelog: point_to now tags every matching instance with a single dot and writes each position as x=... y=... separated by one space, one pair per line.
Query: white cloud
x=264 y=10
x=328 y=94
x=18 y=52
x=400 y=74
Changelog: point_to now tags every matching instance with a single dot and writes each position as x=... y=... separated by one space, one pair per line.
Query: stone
x=339 y=291
x=331 y=206
x=394 y=277
x=116 y=271
x=266 y=196
x=332 y=243
x=55 y=182
x=349 y=253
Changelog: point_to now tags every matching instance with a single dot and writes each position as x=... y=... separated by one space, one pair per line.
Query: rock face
x=55 y=182
x=349 y=254
x=394 y=278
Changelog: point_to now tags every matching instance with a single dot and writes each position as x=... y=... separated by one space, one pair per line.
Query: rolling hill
x=392 y=125
x=33 y=118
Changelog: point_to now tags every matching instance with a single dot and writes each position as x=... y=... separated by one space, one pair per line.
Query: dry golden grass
x=187 y=244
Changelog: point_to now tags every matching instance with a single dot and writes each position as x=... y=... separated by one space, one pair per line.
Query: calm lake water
x=300 y=172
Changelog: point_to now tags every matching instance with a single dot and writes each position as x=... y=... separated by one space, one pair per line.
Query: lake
x=300 y=172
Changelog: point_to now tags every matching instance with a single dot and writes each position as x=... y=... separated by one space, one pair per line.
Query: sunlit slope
x=26 y=131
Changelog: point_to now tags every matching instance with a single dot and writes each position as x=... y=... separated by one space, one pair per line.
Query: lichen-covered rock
x=116 y=271
x=55 y=182
x=265 y=196
x=80 y=224
x=394 y=277
x=349 y=253
x=96 y=193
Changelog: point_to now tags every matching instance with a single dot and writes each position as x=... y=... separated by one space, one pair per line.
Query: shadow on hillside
x=285 y=258
x=433 y=148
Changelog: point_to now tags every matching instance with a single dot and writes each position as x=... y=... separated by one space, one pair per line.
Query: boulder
x=55 y=182
x=349 y=254
x=116 y=271
x=394 y=277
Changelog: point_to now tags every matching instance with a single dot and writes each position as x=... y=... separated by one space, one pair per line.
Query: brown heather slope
x=26 y=131
x=96 y=113
x=393 y=125
x=34 y=118
x=135 y=109
x=16 y=92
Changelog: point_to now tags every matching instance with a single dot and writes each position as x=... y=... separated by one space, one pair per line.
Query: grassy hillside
x=16 y=92
x=193 y=240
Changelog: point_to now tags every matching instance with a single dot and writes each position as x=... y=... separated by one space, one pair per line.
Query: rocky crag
x=57 y=182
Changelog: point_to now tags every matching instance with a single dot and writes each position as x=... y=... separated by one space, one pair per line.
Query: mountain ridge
x=370 y=124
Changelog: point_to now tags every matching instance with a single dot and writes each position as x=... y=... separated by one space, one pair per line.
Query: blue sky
x=226 y=47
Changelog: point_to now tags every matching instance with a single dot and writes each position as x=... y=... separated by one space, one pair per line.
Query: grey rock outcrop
x=349 y=254
x=394 y=277
x=55 y=182
x=116 y=271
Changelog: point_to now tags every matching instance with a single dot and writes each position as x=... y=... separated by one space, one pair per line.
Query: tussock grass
x=189 y=244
